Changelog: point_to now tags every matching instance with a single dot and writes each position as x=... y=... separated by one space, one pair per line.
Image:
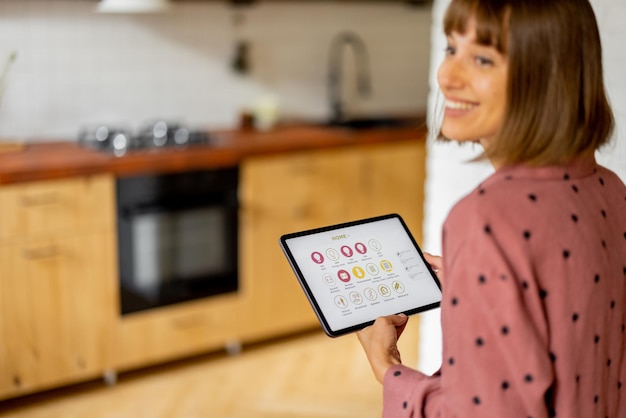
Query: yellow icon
x=358 y=272
x=386 y=265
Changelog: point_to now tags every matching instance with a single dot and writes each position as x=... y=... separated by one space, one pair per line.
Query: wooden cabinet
x=287 y=193
x=60 y=318
x=180 y=330
x=58 y=294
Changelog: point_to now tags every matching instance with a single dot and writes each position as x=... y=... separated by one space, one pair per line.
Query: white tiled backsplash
x=77 y=67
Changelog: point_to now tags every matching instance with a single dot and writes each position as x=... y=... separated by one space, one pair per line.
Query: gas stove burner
x=156 y=135
x=161 y=134
x=105 y=138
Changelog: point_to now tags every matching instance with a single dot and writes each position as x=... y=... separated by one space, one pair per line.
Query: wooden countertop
x=50 y=160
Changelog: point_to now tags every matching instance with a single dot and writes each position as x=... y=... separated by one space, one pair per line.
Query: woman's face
x=473 y=80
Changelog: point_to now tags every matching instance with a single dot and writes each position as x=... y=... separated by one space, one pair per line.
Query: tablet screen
x=354 y=272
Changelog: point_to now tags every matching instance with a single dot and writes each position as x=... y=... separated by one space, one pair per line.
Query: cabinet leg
x=110 y=377
x=233 y=347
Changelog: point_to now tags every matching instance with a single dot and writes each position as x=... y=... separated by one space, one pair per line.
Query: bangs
x=489 y=16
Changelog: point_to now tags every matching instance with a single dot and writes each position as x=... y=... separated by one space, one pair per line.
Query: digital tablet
x=354 y=272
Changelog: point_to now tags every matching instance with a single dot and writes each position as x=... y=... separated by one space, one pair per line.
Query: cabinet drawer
x=177 y=331
x=58 y=206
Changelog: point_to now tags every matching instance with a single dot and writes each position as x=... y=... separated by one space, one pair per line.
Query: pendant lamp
x=133 y=6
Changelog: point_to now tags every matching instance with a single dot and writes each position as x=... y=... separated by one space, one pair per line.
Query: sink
x=363 y=123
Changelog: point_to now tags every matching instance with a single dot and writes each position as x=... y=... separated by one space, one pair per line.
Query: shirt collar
x=578 y=168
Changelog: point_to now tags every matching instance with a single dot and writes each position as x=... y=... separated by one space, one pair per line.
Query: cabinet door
x=282 y=194
x=57 y=307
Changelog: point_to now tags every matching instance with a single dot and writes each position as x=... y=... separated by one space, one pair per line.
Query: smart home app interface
x=360 y=272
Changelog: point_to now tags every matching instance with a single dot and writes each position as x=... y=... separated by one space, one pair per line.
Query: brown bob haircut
x=556 y=107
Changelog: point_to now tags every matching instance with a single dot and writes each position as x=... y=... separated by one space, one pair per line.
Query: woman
x=534 y=295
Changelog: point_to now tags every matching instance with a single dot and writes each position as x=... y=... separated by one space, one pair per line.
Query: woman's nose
x=449 y=74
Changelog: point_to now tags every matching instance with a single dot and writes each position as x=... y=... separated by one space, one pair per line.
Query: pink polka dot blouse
x=533 y=308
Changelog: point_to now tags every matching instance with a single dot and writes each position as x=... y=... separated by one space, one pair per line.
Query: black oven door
x=177 y=237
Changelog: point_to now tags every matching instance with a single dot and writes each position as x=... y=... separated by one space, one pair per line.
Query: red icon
x=317 y=258
x=343 y=275
x=347 y=251
x=360 y=248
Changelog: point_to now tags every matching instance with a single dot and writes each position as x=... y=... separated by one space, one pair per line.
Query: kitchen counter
x=50 y=160
x=63 y=235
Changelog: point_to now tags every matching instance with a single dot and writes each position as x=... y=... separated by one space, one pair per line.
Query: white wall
x=611 y=15
x=449 y=176
x=75 y=67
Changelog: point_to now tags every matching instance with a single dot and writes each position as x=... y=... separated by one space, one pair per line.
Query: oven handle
x=132 y=211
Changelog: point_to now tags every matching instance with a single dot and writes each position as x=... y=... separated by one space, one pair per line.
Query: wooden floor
x=307 y=376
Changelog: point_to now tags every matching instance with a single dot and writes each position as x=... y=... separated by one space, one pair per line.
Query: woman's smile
x=453 y=106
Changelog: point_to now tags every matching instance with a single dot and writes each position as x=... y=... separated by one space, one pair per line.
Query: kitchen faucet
x=338 y=44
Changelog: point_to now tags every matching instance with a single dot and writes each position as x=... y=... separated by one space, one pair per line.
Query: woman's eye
x=483 y=61
x=450 y=50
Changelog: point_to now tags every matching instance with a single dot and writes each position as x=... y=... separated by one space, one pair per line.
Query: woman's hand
x=380 y=343
x=436 y=263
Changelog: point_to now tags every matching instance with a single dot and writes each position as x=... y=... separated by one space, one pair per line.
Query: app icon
x=360 y=248
x=347 y=251
x=328 y=279
x=344 y=276
x=397 y=286
x=384 y=290
x=317 y=257
x=358 y=272
x=332 y=254
x=356 y=298
x=386 y=265
x=370 y=293
x=374 y=245
x=372 y=269
x=341 y=301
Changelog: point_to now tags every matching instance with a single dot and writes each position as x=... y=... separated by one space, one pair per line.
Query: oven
x=177 y=237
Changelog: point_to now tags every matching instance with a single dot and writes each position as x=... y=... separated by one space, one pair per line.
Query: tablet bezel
x=309 y=293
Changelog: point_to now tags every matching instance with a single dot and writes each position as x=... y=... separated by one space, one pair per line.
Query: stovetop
x=156 y=135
